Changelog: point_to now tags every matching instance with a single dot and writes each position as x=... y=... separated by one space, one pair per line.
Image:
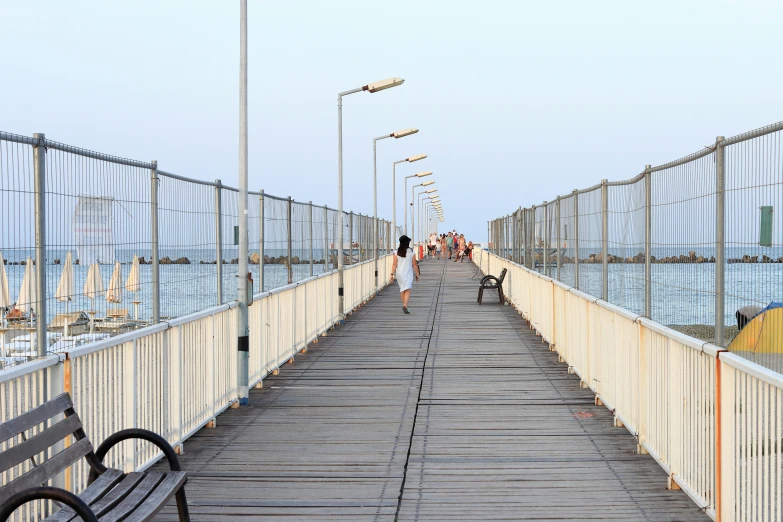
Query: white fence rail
x=176 y=377
x=712 y=420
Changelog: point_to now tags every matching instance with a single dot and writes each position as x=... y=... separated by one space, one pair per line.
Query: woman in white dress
x=406 y=268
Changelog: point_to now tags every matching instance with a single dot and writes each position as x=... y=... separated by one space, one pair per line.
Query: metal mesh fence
x=695 y=244
x=122 y=243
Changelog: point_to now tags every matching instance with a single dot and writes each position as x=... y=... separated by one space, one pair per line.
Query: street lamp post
x=243 y=332
x=397 y=135
x=413 y=209
x=371 y=88
x=410 y=159
x=405 y=191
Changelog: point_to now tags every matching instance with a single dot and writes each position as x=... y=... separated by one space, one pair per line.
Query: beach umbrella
x=94 y=284
x=26 y=300
x=133 y=284
x=5 y=297
x=114 y=293
x=65 y=287
x=92 y=288
x=5 y=303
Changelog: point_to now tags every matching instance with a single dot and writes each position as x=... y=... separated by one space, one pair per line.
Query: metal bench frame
x=491 y=282
x=140 y=496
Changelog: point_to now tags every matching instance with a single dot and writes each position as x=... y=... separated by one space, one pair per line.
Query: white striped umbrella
x=94 y=284
x=114 y=293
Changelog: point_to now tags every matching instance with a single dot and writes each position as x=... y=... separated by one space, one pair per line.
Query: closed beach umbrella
x=114 y=293
x=5 y=296
x=65 y=288
x=133 y=282
x=94 y=284
x=26 y=300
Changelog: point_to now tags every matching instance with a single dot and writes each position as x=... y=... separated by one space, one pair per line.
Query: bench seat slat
x=37 y=476
x=117 y=495
x=40 y=442
x=158 y=499
x=94 y=492
x=135 y=498
x=35 y=417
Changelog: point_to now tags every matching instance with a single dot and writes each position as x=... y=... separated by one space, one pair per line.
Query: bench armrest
x=488 y=279
x=47 y=493
x=134 y=433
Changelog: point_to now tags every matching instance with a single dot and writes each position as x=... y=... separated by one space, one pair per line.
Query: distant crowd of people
x=451 y=244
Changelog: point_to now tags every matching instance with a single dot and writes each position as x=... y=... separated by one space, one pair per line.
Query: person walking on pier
x=406 y=268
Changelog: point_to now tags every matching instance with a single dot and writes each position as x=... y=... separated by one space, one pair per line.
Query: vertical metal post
x=576 y=239
x=647 y=239
x=155 y=252
x=720 y=239
x=326 y=238
x=340 y=231
x=261 y=244
x=523 y=238
x=290 y=258
x=533 y=243
x=557 y=236
x=605 y=240
x=545 y=239
x=243 y=333
x=218 y=239
x=374 y=237
x=39 y=158
x=311 y=239
x=350 y=238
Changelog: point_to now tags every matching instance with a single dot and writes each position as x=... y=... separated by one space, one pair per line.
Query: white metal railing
x=711 y=419
x=175 y=377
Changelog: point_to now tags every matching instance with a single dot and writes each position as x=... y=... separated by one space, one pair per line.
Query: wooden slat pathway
x=455 y=412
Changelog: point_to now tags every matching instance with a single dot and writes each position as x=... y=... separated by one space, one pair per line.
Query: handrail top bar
x=756 y=370
x=14 y=372
x=756 y=133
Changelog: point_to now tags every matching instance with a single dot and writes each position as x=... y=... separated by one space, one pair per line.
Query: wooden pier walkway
x=456 y=412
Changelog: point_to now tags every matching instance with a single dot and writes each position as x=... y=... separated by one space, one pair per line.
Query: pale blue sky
x=516 y=101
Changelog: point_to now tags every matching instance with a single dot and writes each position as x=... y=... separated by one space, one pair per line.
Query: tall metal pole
x=647 y=244
x=155 y=252
x=394 y=201
x=545 y=238
x=605 y=240
x=340 y=231
x=218 y=239
x=261 y=244
x=243 y=339
x=311 y=239
x=290 y=258
x=720 y=239
x=413 y=230
x=350 y=239
x=576 y=239
x=326 y=238
x=533 y=244
x=375 y=211
x=557 y=236
x=39 y=157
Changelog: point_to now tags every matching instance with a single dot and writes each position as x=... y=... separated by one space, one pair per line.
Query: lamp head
x=416 y=158
x=430 y=191
x=404 y=132
x=427 y=183
x=383 y=84
x=422 y=174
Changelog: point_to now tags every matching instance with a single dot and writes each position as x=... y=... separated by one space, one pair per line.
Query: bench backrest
x=502 y=276
x=26 y=453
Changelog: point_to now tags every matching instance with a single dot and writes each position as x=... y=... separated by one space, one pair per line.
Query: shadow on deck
x=455 y=412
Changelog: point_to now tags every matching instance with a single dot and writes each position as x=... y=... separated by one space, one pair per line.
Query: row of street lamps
x=434 y=201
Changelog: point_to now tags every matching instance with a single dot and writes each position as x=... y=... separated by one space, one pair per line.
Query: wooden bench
x=111 y=495
x=492 y=283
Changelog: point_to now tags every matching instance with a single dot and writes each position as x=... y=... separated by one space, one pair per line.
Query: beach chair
x=492 y=283
x=111 y=494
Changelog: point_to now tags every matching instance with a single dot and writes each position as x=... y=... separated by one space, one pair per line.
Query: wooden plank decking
x=456 y=412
